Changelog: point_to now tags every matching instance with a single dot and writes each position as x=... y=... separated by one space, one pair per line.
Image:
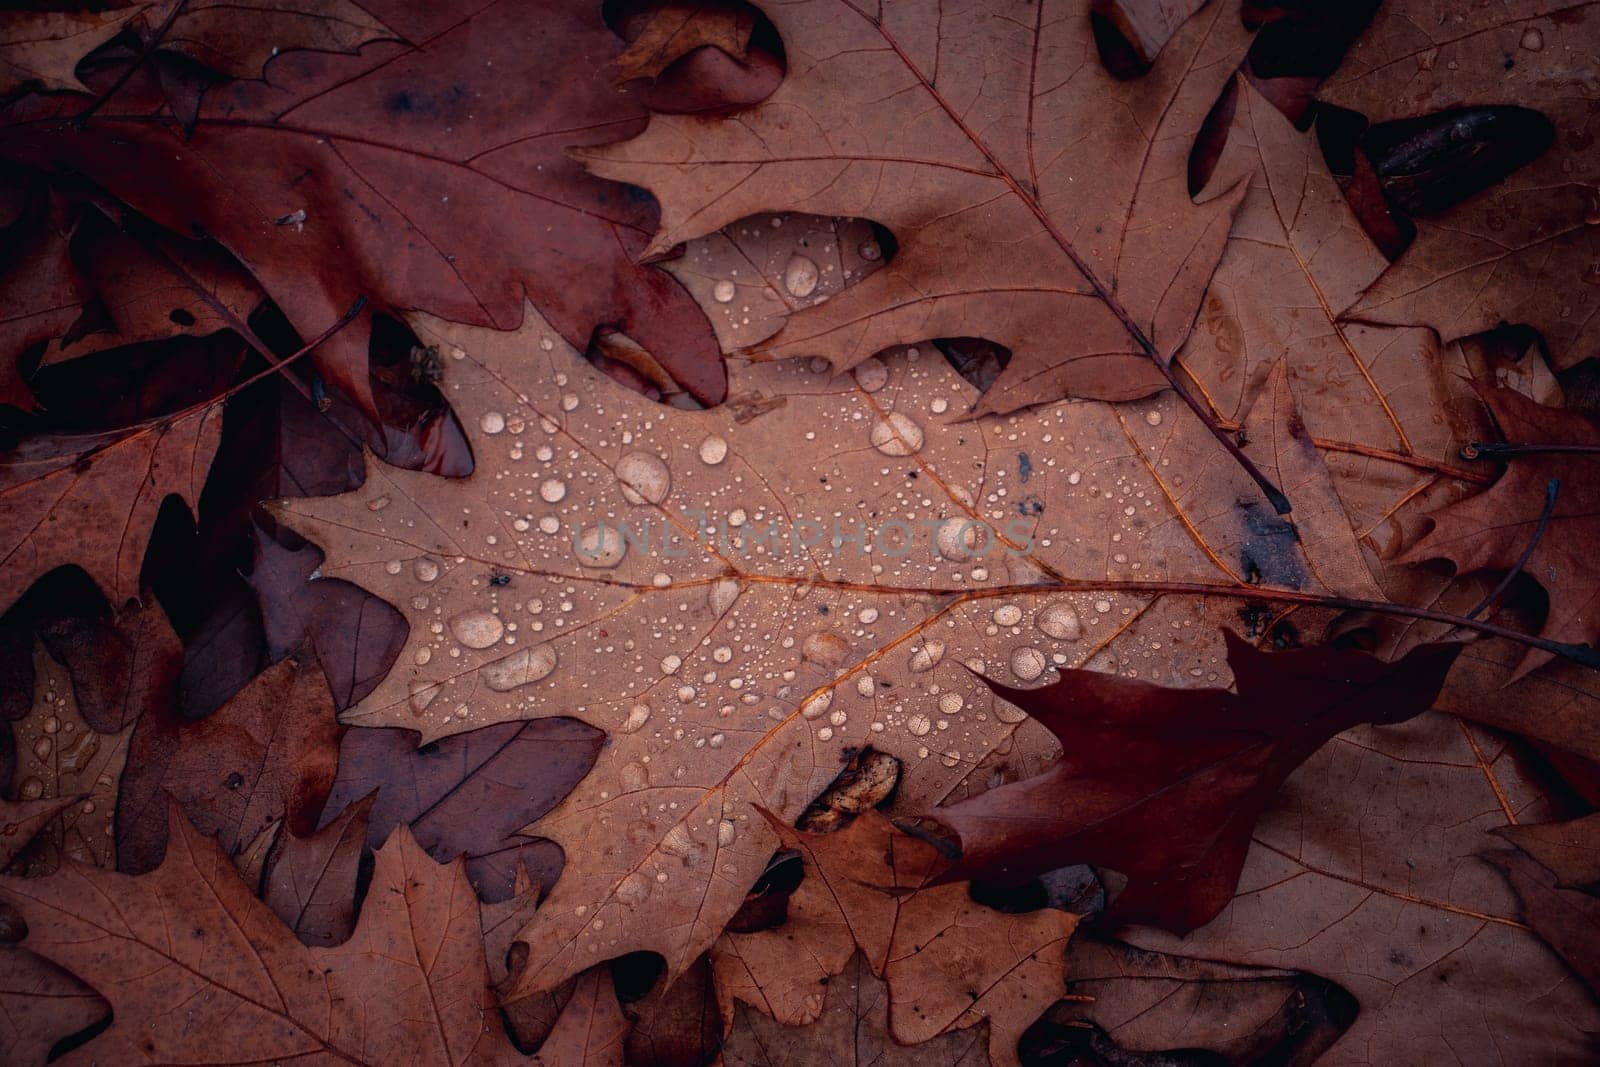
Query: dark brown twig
x=1550 y=492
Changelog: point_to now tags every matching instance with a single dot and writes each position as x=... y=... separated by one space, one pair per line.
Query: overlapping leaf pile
x=695 y=532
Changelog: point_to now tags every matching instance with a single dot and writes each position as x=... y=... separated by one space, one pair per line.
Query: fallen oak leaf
x=1569 y=850
x=39 y=1002
x=1155 y=1003
x=1498 y=527
x=411 y=981
x=676 y=28
x=591 y=1028
x=59 y=755
x=464 y=226
x=1364 y=870
x=1509 y=254
x=1165 y=785
x=238 y=40
x=513 y=617
x=21 y=821
x=269 y=753
x=310 y=882
x=949 y=962
x=43 y=48
x=1568 y=920
x=1051 y=235
x=90 y=499
x=852 y=1026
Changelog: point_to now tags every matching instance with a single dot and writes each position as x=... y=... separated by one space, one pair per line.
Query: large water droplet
x=425 y=569
x=552 y=490
x=800 y=276
x=523 y=667
x=828 y=649
x=1007 y=615
x=1060 y=621
x=927 y=657
x=871 y=374
x=644 y=478
x=492 y=422
x=638 y=715
x=713 y=450
x=918 y=725
x=601 y=546
x=422 y=694
x=633 y=777
x=633 y=890
x=723 y=291
x=477 y=629
x=814 y=707
x=1532 y=39
x=957 y=538
x=724 y=591
x=1027 y=663
x=896 y=435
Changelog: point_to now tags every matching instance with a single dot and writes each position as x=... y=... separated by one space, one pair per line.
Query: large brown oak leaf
x=994 y=130
x=731 y=674
x=189 y=958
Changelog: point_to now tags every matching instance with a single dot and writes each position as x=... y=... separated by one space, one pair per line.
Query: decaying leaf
x=738 y=673
x=1569 y=921
x=1569 y=850
x=90 y=499
x=468 y=794
x=416 y=175
x=591 y=1028
x=852 y=1026
x=1153 y=1003
x=1493 y=529
x=237 y=40
x=185 y=955
x=1165 y=785
x=966 y=131
x=1364 y=871
x=268 y=753
x=310 y=882
x=1523 y=251
x=59 y=757
x=677 y=28
x=42 y=48
x=949 y=962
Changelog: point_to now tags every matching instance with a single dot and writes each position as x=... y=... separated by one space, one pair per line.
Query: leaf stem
x=1550 y=492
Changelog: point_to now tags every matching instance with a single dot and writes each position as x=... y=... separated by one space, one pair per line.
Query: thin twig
x=1550 y=492
x=1492 y=450
x=239 y=326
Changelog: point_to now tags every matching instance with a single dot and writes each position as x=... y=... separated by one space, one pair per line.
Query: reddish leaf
x=1492 y=530
x=118 y=666
x=90 y=499
x=590 y=1030
x=355 y=635
x=268 y=753
x=1569 y=921
x=1165 y=785
x=311 y=881
x=422 y=176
